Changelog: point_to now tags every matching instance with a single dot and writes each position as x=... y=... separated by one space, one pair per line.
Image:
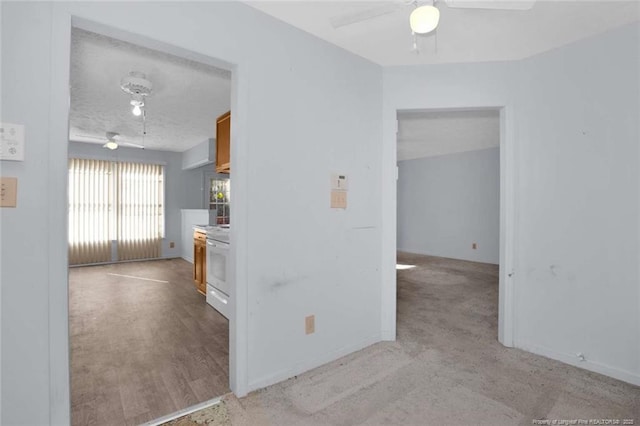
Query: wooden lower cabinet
x=200 y=261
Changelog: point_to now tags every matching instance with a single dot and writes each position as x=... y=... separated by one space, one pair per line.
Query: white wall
x=23 y=230
x=194 y=187
x=571 y=128
x=191 y=217
x=200 y=154
x=454 y=86
x=447 y=202
x=578 y=130
x=302 y=109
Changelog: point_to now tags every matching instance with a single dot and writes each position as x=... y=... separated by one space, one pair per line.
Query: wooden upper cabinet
x=223 y=143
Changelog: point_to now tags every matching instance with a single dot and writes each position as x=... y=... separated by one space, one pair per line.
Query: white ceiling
x=464 y=35
x=428 y=133
x=187 y=96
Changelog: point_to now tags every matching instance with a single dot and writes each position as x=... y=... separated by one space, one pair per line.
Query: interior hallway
x=142 y=348
x=446 y=367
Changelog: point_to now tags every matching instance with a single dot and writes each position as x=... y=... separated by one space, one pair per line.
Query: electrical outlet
x=474 y=246
x=172 y=244
x=310 y=324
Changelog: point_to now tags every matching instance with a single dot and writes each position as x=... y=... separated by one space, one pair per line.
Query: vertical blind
x=140 y=204
x=90 y=207
x=114 y=201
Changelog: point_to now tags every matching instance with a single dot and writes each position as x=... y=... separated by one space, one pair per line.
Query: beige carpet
x=446 y=368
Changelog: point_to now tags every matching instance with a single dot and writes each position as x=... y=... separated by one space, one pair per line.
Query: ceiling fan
x=425 y=16
x=112 y=140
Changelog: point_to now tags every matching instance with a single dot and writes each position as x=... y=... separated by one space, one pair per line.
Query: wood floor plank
x=131 y=387
x=142 y=349
x=205 y=388
x=139 y=419
x=179 y=389
x=108 y=408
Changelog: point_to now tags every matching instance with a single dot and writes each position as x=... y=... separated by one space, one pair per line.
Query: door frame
x=57 y=216
x=508 y=214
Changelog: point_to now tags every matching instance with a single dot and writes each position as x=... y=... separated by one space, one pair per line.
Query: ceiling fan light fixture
x=138 y=102
x=111 y=145
x=424 y=19
x=136 y=83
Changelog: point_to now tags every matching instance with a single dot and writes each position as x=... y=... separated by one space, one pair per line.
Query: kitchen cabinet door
x=223 y=143
x=200 y=261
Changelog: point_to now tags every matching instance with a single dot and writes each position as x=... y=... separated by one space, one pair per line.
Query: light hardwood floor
x=140 y=348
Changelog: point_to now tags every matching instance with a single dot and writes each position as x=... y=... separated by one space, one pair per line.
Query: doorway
x=506 y=218
x=448 y=202
x=449 y=183
x=139 y=331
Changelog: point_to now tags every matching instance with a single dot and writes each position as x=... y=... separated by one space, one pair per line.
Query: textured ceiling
x=464 y=35
x=428 y=133
x=187 y=96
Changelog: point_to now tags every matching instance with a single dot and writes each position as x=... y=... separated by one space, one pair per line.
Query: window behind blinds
x=140 y=206
x=114 y=201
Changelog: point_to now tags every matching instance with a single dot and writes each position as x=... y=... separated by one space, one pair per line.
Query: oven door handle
x=222 y=249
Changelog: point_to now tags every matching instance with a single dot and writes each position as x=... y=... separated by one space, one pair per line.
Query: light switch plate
x=8 y=191
x=339 y=181
x=11 y=142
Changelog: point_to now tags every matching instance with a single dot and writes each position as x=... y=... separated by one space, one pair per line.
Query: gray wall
x=183 y=188
x=448 y=202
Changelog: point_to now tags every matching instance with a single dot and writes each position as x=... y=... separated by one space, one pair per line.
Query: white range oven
x=218 y=286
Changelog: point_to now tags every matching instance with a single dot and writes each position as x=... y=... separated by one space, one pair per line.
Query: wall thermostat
x=339 y=182
x=11 y=142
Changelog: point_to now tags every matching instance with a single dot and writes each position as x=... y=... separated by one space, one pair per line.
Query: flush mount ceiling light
x=424 y=19
x=137 y=85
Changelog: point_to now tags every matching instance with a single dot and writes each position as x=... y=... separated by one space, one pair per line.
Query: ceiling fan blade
x=101 y=138
x=131 y=144
x=491 y=4
x=364 y=15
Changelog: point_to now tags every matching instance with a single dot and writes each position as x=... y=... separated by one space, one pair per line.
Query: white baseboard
x=188 y=259
x=388 y=336
x=311 y=364
x=571 y=359
x=114 y=262
x=412 y=251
